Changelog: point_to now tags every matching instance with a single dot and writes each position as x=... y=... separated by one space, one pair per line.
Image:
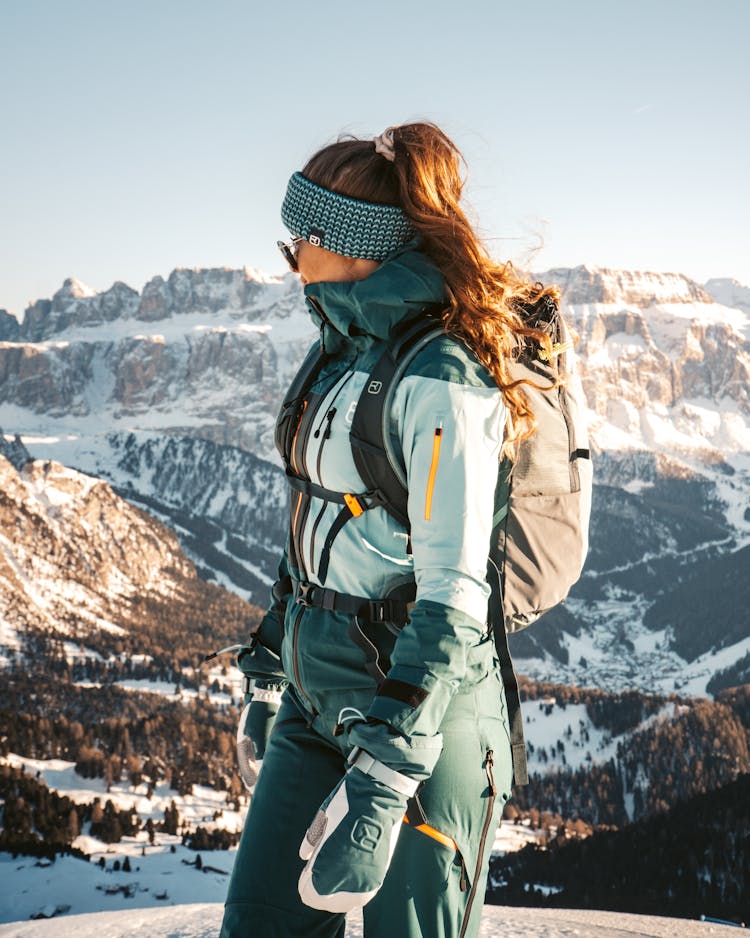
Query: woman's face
x=316 y=264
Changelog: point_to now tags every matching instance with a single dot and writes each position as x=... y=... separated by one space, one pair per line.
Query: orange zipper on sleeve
x=433 y=472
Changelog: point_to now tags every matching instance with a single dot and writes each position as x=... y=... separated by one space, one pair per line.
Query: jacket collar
x=356 y=313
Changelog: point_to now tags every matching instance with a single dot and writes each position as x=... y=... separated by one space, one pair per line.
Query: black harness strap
x=325 y=555
x=298 y=484
x=370 y=610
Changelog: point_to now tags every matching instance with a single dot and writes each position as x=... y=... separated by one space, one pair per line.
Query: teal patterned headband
x=343 y=225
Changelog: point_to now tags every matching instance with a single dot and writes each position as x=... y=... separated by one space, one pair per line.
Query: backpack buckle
x=302 y=595
x=354 y=504
x=376 y=611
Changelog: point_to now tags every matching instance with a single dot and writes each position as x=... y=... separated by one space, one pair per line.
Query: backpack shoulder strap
x=369 y=431
x=287 y=421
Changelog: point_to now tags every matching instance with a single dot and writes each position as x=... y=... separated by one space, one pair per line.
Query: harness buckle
x=376 y=611
x=302 y=594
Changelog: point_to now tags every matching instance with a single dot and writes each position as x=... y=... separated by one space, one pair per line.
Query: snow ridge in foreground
x=203 y=921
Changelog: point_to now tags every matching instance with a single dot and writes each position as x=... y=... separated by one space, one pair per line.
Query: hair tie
x=384 y=144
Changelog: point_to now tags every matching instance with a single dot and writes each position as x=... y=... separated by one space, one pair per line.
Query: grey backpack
x=540 y=535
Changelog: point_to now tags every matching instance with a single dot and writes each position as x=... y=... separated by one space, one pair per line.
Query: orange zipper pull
x=436 y=440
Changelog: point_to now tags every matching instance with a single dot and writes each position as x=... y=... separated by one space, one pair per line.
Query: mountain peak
x=75 y=288
x=729 y=292
x=588 y=284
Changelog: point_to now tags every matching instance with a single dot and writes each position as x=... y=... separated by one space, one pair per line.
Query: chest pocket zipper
x=324 y=428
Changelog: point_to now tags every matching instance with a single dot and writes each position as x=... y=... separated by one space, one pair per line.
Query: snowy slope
x=203 y=921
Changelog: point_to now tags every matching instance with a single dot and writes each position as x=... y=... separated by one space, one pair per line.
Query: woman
x=389 y=763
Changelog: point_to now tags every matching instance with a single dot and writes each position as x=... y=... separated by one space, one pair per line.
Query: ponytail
x=423 y=177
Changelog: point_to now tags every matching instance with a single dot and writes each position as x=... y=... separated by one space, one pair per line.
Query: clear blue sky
x=140 y=136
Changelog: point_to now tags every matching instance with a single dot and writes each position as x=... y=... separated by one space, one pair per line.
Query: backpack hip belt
x=394 y=611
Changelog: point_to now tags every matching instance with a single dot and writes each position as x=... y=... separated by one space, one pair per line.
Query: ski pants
x=434 y=888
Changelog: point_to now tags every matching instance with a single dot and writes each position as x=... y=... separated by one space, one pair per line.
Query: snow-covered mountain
x=206 y=353
x=171 y=394
x=81 y=564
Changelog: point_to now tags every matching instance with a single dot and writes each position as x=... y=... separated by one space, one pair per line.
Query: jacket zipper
x=436 y=440
x=327 y=420
x=326 y=435
x=328 y=417
x=299 y=465
x=295 y=665
x=296 y=434
x=489 y=762
x=313 y=533
x=324 y=321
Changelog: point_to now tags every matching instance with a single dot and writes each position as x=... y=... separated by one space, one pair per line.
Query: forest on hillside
x=60 y=699
x=693 y=859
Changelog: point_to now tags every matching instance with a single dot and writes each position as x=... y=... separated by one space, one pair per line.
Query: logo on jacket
x=374 y=387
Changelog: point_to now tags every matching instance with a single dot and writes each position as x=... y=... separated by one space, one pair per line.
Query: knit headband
x=343 y=225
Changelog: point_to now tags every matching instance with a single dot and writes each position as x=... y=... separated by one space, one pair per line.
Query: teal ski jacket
x=446 y=431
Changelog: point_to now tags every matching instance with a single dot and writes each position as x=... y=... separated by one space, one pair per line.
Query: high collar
x=358 y=312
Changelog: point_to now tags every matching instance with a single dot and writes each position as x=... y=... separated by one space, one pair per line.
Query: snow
x=9 y=643
x=511 y=837
x=177 y=327
x=197 y=809
x=546 y=725
x=699 y=672
x=202 y=920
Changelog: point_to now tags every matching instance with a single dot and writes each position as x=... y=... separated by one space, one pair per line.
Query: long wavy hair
x=485 y=297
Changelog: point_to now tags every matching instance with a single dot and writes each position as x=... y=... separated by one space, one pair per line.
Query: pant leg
x=433 y=891
x=299 y=770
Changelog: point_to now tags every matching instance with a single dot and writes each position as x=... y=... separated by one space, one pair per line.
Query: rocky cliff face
x=214 y=367
x=627 y=287
x=184 y=292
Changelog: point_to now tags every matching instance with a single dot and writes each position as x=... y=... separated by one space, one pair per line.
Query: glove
x=256 y=722
x=261 y=704
x=350 y=843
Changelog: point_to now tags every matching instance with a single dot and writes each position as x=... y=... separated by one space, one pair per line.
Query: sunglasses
x=289 y=252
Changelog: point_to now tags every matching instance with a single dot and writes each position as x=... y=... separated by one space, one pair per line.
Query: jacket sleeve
x=451 y=432
x=262 y=658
